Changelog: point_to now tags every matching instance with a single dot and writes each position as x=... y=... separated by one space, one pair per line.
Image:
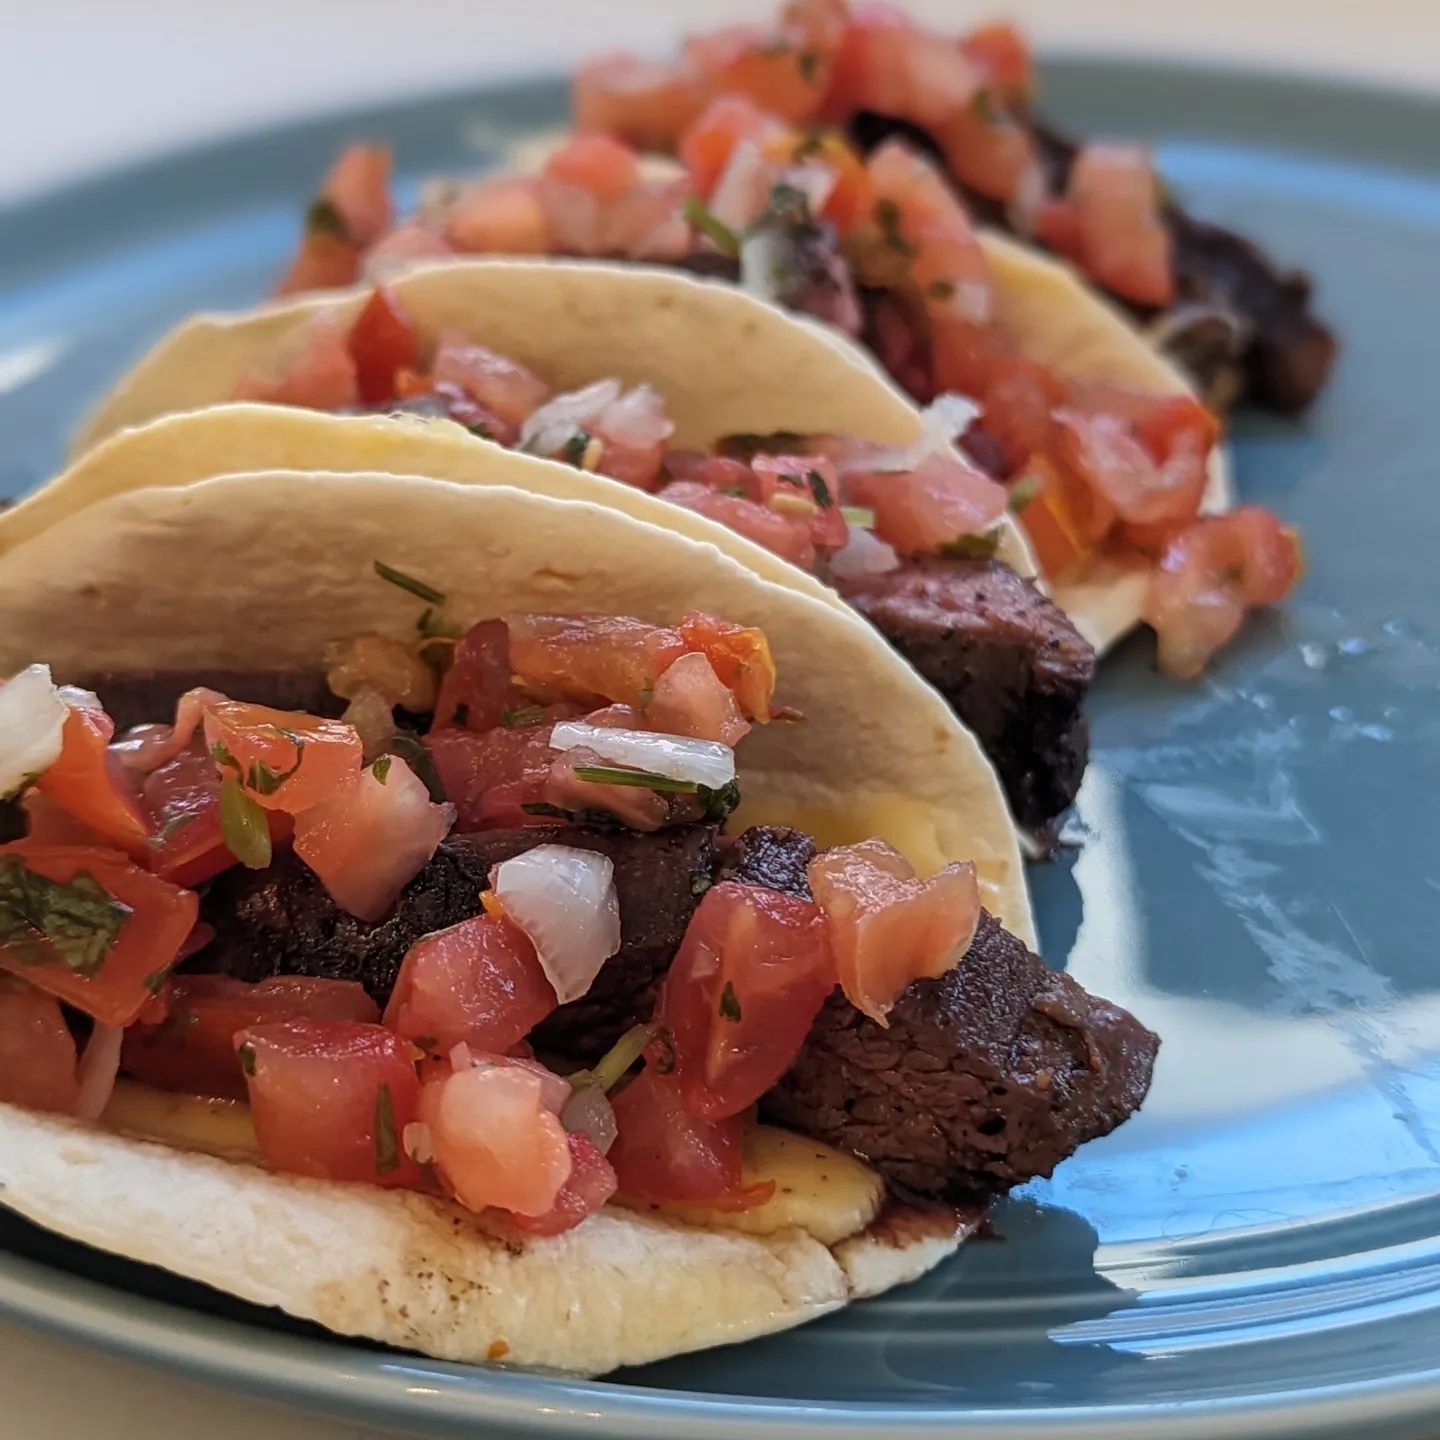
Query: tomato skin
x=322 y=758
x=317 y=1090
x=784 y=535
x=664 y=1153
x=147 y=945
x=82 y=781
x=591 y=657
x=479 y=983
x=751 y=974
x=886 y=925
x=382 y=341
x=739 y=655
x=192 y=1048
x=592 y=1182
x=37 y=1050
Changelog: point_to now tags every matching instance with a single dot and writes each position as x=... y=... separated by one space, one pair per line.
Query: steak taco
x=488 y=924
x=723 y=407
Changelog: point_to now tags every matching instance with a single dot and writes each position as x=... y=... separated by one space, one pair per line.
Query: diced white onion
x=945 y=418
x=763 y=257
x=1028 y=198
x=32 y=723
x=704 y=762
x=546 y=431
x=742 y=189
x=637 y=418
x=564 y=899
x=418 y=1142
x=863 y=554
x=588 y=1111
x=97 y=1070
x=814 y=182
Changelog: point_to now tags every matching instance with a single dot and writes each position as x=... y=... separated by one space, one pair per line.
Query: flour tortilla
x=261 y=571
x=725 y=362
x=411 y=1271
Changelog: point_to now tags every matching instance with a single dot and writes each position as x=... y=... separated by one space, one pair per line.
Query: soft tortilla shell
x=263 y=570
x=411 y=1271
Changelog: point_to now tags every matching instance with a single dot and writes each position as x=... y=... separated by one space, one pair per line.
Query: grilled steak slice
x=1281 y=353
x=144 y=697
x=987 y=1077
x=281 y=921
x=771 y=856
x=1010 y=663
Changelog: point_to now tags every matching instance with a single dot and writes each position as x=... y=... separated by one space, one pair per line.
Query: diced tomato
x=645 y=103
x=368 y=841
x=632 y=805
x=182 y=798
x=1105 y=452
x=598 y=163
x=332 y=1098
x=1016 y=406
x=592 y=1182
x=787 y=75
x=478 y=982
x=286 y=760
x=739 y=999
x=47 y=824
x=592 y=657
x=852 y=197
x=325 y=261
x=502 y=386
x=921 y=237
x=1004 y=55
x=1060 y=517
x=313 y=370
x=690 y=699
x=633 y=430
x=114 y=985
x=496 y=1142
x=1057 y=227
x=886 y=926
x=498 y=216
x=478 y=687
x=37 y=1050
x=922 y=510
x=358 y=186
x=805 y=487
x=987 y=149
x=787 y=536
x=192 y=1048
x=707 y=146
x=1122 y=240
x=740 y=656
x=382 y=341
x=1209 y=576
x=664 y=1153
x=474 y=770
x=87 y=782
x=404 y=246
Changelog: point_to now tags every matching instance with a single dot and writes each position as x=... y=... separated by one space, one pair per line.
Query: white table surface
x=85 y=83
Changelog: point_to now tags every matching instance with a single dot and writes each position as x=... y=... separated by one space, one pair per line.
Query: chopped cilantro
x=819 y=489
x=729 y=1003
x=75 y=921
x=419 y=588
x=220 y=754
x=700 y=884
x=887 y=217
x=480 y=431
x=601 y=819
x=387 y=1141
x=461 y=713
x=983 y=106
x=973 y=547
x=941 y=289
x=243 y=826
x=264 y=780
x=414 y=752
x=322 y=218
x=637 y=779
x=808 y=64
x=572 y=452
x=720 y=235
x=155 y=980
x=381 y=768
x=521 y=715
x=433 y=625
x=246 y=1054
x=719 y=803
x=1023 y=491
x=171 y=827
x=858 y=515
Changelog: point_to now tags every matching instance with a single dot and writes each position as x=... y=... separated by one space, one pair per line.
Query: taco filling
x=469 y=924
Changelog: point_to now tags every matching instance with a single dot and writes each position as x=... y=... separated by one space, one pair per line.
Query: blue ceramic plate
x=1258 y=1253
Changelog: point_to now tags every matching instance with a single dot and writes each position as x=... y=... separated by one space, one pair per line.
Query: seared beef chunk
x=1010 y=663
x=987 y=1077
x=1282 y=353
x=772 y=856
x=146 y=697
x=280 y=921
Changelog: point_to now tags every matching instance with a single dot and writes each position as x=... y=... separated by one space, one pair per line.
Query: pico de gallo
x=1091 y=470
x=558 y=721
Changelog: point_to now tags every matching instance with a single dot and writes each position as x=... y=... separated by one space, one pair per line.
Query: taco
x=505 y=955
x=755 y=422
